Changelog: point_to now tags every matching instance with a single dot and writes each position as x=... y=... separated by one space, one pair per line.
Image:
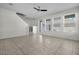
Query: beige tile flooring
x=38 y=45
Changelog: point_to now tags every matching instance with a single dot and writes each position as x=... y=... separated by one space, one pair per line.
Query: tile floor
x=38 y=45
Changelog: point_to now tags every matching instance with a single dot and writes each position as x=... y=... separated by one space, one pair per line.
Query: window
x=69 y=23
x=57 y=24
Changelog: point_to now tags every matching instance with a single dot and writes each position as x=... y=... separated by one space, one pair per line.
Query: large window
x=69 y=23
x=59 y=24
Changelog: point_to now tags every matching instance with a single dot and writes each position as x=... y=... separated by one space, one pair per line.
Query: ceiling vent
x=21 y=14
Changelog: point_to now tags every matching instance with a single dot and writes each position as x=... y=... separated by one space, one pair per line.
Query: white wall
x=11 y=25
x=30 y=21
x=27 y=20
x=73 y=36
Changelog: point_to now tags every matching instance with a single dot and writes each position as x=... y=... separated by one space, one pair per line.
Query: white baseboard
x=16 y=35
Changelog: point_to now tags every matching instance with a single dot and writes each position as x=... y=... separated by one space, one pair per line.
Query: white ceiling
x=27 y=8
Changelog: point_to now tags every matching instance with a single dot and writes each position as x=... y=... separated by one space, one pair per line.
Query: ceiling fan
x=39 y=9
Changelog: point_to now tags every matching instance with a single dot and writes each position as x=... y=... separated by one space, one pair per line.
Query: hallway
x=38 y=45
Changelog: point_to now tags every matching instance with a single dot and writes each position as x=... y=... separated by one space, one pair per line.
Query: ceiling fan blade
x=36 y=9
x=43 y=10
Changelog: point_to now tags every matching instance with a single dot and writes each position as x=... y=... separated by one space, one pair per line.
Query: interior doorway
x=34 y=29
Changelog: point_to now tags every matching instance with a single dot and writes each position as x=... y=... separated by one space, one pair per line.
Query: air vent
x=21 y=14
